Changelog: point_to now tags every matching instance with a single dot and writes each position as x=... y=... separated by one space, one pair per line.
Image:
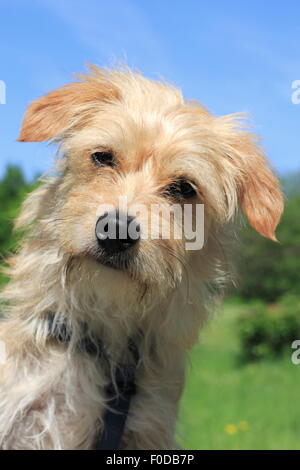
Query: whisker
x=184 y=264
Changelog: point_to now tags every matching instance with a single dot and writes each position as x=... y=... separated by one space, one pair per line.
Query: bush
x=267 y=331
x=13 y=190
x=269 y=270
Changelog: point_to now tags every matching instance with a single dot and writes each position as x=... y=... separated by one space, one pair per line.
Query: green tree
x=268 y=270
x=13 y=189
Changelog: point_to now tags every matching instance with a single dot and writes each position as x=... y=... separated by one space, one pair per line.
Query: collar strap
x=62 y=333
x=121 y=388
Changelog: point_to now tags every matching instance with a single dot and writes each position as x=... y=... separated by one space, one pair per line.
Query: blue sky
x=234 y=56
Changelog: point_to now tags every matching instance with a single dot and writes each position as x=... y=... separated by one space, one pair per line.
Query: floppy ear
x=260 y=194
x=51 y=114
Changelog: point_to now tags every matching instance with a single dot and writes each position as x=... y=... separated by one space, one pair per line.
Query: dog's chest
x=71 y=406
x=81 y=397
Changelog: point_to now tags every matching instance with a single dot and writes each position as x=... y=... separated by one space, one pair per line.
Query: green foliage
x=268 y=270
x=13 y=189
x=291 y=183
x=267 y=331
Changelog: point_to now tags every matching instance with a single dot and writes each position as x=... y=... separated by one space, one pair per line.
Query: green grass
x=221 y=392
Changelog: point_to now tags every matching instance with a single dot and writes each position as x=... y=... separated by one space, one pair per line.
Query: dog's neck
x=110 y=303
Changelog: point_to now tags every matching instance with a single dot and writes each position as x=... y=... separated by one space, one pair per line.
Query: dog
x=120 y=135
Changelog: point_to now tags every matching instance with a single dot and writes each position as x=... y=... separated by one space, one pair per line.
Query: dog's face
x=128 y=140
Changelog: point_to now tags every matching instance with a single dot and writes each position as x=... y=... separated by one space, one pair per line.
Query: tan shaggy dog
x=119 y=134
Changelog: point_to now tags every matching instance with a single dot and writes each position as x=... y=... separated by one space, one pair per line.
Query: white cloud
x=116 y=31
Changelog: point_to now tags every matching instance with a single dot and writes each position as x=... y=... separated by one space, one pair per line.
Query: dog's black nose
x=116 y=232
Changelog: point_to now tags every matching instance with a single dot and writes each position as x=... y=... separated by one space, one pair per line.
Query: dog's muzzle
x=116 y=232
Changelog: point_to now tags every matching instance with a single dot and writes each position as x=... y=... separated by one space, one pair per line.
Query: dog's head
x=133 y=141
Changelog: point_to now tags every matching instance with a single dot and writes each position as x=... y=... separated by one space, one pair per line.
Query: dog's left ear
x=61 y=109
x=259 y=190
x=256 y=186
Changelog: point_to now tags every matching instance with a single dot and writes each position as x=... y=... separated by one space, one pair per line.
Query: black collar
x=122 y=386
x=61 y=331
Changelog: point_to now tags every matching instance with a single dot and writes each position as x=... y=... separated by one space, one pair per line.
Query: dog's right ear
x=57 y=111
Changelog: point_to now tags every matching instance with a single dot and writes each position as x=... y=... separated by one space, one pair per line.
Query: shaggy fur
x=51 y=395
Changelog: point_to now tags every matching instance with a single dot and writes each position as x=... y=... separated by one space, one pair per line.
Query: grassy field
x=227 y=405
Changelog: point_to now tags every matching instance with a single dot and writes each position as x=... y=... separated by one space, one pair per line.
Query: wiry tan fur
x=52 y=396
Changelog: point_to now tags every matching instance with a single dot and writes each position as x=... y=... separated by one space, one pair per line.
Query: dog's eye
x=180 y=189
x=103 y=158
